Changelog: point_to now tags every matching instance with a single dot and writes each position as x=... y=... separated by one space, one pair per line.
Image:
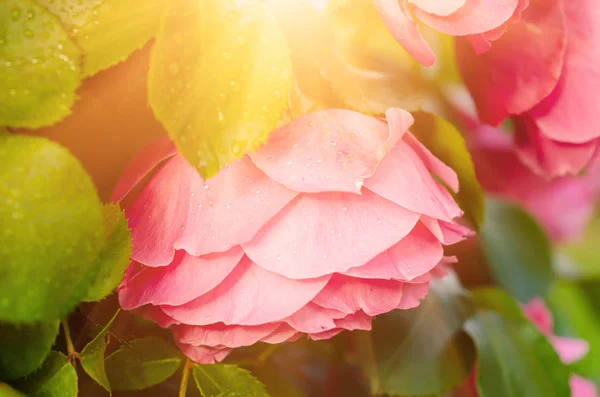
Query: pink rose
x=543 y=71
x=563 y=205
x=336 y=220
x=569 y=349
x=480 y=20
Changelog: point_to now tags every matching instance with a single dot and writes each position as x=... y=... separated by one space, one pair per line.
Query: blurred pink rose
x=568 y=349
x=336 y=220
x=563 y=205
x=543 y=71
x=480 y=20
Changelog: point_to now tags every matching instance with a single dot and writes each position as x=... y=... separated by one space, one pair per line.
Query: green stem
x=70 y=347
x=184 y=378
x=71 y=353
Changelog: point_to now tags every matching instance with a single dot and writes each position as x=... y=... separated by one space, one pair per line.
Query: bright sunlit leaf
x=367 y=67
x=72 y=13
x=219 y=78
x=52 y=229
x=115 y=29
x=114 y=256
x=39 y=71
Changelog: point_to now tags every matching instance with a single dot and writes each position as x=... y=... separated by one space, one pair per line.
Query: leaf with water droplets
x=92 y=356
x=24 y=347
x=56 y=377
x=39 y=66
x=115 y=29
x=141 y=363
x=51 y=229
x=114 y=256
x=72 y=13
x=446 y=143
x=227 y=380
x=219 y=78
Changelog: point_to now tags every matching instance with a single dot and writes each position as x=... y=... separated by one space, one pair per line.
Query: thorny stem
x=184 y=378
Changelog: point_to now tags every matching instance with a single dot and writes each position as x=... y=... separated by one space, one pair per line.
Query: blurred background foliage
x=63 y=252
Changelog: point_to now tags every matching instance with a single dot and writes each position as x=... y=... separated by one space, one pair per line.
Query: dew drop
x=206 y=186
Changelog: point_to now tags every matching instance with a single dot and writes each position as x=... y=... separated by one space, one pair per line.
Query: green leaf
x=24 y=347
x=446 y=143
x=141 y=363
x=497 y=300
x=515 y=359
x=7 y=391
x=115 y=29
x=57 y=377
x=92 y=356
x=575 y=316
x=114 y=256
x=39 y=72
x=51 y=229
x=72 y=13
x=220 y=74
x=227 y=381
x=517 y=250
x=422 y=351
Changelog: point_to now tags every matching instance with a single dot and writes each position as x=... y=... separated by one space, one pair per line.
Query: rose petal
x=324 y=233
x=204 y=354
x=156 y=216
x=326 y=334
x=581 y=387
x=250 y=295
x=521 y=68
x=411 y=257
x=537 y=312
x=177 y=210
x=404 y=179
x=283 y=333
x=433 y=164
x=355 y=321
x=222 y=335
x=550 y=158
x=571 y=114
x=412 y=295
x=314 y=318
x=437 y=7
x=349 y=294
x=405 y=30
x=562 y=205
x=332 y=150
x=186 y=278
x=569 y=350
x=142 y=164
x=476 y=16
